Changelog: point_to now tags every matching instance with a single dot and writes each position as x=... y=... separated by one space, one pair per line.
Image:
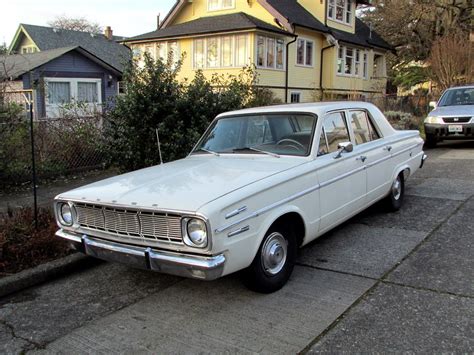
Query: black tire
x=430 y=141
x=265 y=280
x=394 y=200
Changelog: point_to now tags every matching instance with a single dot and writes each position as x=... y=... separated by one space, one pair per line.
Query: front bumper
x=193 y=266
x=441 y=130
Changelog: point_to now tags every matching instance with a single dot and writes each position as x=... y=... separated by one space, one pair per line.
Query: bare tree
x=76 y=24
x=451 y=60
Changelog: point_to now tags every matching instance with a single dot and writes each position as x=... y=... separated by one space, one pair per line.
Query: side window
x=360 y=126
x=336 y=130
x=364 y=130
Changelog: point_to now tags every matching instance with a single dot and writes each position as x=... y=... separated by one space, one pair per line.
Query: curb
x=45 y=272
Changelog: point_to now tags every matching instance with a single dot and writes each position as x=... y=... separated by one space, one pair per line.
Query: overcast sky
x=126 y=17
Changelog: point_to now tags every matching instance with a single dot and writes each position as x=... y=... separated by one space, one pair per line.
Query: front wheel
x=394 y=200
x=274 y=262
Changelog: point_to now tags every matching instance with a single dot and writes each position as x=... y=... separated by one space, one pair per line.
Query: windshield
x=462 y=96
x=273 y=134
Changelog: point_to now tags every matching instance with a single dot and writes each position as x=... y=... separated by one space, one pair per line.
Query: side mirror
x=344 y=147
x=433 y=104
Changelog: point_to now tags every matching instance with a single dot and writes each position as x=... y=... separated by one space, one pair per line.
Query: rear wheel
x=274 y=262
x=394 y=200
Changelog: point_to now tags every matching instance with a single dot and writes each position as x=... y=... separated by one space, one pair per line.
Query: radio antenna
x=159 y=146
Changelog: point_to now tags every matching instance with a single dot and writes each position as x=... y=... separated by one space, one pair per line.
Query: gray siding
x=71 y=65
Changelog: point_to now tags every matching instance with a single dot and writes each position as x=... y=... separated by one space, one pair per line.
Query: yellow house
x=304 y=50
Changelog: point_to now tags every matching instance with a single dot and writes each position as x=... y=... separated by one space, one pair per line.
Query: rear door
x=342 y=179
x=373 y=152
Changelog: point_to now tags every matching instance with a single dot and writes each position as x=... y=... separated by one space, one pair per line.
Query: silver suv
x=452 y=117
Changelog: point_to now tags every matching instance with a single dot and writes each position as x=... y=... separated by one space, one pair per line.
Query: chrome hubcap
x=274 y=253
x=397 y=188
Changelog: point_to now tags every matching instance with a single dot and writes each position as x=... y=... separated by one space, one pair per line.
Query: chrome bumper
x=423 y=159
x=193 y=266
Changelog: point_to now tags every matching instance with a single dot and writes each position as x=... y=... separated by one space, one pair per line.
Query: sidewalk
x=23 y=196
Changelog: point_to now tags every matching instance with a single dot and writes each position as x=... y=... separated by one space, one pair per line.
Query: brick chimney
x=108 y=33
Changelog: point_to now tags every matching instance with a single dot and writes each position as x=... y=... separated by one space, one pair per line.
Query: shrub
x=180 y=111
x=22 y=246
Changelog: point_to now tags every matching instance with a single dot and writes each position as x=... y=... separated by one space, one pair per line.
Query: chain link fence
x=60 y=146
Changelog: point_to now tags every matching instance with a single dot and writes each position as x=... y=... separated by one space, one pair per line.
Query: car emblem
x=456 y=119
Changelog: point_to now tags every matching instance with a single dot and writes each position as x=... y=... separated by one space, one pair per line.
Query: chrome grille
x=130 y=223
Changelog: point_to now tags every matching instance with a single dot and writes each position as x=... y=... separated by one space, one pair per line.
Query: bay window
x=220 y=52
x=169 y=51
x=270 y=52
x=352 y=62
x=304 y=52
x=341 y=10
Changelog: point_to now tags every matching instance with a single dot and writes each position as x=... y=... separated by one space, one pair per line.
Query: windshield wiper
x=209 y=151
x=256 y=150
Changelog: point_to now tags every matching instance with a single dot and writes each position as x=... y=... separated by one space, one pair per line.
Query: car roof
x=461 y=87
x=313 y=107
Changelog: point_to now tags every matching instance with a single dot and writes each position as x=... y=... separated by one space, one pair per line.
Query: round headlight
x=65 y=213
x=197 y=232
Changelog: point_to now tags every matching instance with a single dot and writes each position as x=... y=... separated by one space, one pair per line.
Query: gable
x=48 y=38
x=188 y=11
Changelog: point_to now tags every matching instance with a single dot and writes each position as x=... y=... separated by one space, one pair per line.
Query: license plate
x=455 y=128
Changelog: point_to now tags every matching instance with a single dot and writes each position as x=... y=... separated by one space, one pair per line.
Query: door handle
x=362 y=158
x=388 y=148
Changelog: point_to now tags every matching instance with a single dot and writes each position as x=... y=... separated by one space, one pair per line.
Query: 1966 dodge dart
x=259 y=184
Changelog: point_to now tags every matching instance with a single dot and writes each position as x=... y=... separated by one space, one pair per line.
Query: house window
x=167 y=51
x=121 y=87
x=226 y=48
x=220 y=52
x=60 y=92
x=295 y=97
x=349 y=62
x=241 y=57
x=199 y=53
x=366 y=66
x=304 y=52
x=214 y=5
x=270 y=52
x=87 y=92
x=341 y=10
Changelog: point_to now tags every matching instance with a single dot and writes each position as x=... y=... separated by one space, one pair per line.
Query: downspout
x=321 y=69
x=287 y=67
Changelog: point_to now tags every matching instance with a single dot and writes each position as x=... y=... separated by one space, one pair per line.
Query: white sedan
x=258 y=185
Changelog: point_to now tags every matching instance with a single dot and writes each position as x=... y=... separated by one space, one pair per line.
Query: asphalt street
x=382 y=282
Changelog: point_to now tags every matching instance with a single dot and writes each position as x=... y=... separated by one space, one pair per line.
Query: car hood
x=183 y=185
x=455 y=110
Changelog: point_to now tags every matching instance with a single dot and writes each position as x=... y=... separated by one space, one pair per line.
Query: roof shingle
x=231 y=22
x=13 y=66
x=111 y=52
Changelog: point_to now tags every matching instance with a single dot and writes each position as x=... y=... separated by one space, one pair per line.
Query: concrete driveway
x=400 y=282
